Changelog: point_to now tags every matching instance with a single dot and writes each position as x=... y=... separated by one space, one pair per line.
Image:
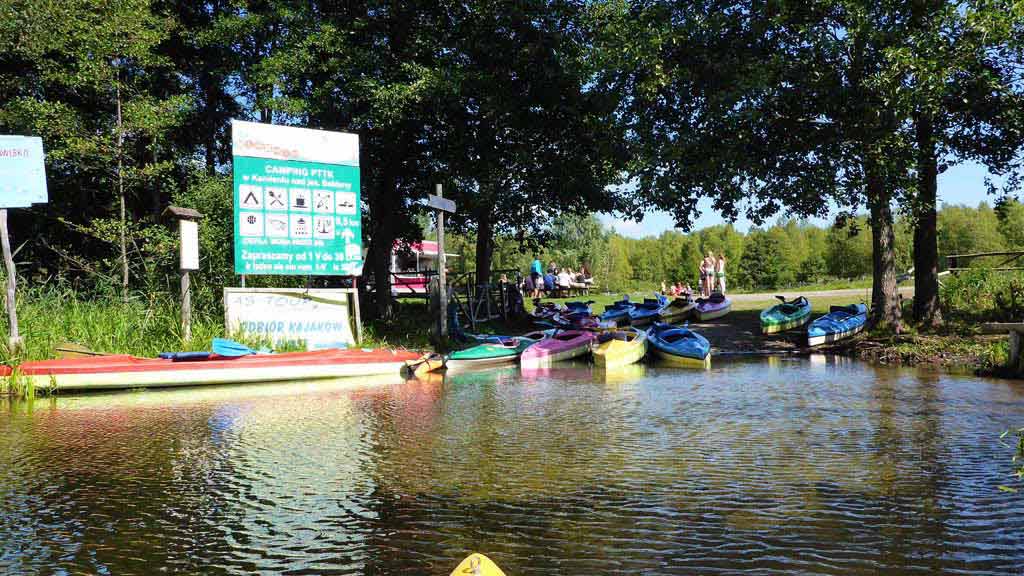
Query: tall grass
x=145 y=325
x=983 y=295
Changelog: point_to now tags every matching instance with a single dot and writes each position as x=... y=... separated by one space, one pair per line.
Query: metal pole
x=442 y=264
x=14 y=342
x=186 y=306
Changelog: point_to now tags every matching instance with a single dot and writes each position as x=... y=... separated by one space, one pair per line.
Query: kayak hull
x=704 y=314
x=488 y=354
x=677 y=310
x=562 y=346
x=121 y=371
x=621 y=352
x=671 y=359
x=775 y=328
x=785 y=316
x=678 y=346
x=833 y=336
x=840 y=323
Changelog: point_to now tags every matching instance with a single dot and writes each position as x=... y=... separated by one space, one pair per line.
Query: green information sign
x=296 y=198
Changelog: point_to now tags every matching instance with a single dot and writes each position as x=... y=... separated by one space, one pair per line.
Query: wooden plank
x=1002 y=327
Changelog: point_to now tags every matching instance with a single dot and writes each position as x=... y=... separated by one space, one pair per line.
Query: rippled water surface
x=766 y=466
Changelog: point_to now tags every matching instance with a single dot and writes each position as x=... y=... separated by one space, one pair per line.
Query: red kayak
x=123 y=371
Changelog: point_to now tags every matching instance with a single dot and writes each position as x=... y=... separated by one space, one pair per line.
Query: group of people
x=712 y=279
x=555 y=278
x=712 y=274
x=677 y=289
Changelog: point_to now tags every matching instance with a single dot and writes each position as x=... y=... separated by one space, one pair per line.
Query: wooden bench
x=1016 y=333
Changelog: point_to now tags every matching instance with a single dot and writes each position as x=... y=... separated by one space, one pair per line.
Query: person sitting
x=549 y=282
x=585 y=276
x=564 y=279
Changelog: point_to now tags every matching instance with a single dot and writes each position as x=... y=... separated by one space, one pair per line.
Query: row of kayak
x=626 y=312
x=611 y=348
x=840 y=322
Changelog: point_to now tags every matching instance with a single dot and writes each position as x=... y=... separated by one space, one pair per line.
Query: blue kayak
x=618 y=310
x=579 y=307
x=648 y=310
x=679 y=345
x=841 y=322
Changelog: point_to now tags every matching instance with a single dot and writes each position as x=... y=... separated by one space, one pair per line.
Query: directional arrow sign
x=439 y=203
x=348 y=235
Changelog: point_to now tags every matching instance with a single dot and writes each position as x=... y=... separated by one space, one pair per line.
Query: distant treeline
x=789 y=253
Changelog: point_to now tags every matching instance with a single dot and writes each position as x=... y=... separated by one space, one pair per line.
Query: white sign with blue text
x=321 y=318
x=22 y=171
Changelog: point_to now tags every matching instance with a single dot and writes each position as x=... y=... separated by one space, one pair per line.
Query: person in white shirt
x=564 y=279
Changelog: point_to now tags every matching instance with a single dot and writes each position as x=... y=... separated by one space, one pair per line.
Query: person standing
x=536 y=270
x=720 y=272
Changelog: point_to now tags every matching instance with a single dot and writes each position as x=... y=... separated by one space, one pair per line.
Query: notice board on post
x=297 y=203
x=321 y=318
x=22 y=171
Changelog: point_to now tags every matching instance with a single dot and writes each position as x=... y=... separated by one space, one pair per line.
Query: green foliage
x=984 y=295
x=761 y=266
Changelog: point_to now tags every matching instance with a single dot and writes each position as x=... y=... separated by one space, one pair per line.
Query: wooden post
x=442 y=274
x=355 y=301
x=14 y=341
x=188 y=237
x=186 y=307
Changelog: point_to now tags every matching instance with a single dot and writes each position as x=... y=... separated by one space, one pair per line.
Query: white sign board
x=189 y=231
x=322 y=318
x=22 y=171
x=439 y=203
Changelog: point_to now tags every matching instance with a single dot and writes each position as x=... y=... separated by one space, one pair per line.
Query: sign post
x=441 y=205
x=188 y=236
x=22 y=183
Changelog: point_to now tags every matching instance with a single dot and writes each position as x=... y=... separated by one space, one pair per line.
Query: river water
x=766 y=466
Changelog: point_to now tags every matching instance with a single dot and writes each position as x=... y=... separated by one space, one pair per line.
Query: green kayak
x=785 y=315
x=506 y=350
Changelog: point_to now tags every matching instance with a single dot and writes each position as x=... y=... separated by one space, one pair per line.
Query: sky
x=961 y=184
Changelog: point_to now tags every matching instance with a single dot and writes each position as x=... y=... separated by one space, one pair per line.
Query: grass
x=142 y=326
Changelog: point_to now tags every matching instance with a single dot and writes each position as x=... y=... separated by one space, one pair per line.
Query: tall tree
x=105 y=102
x=526 y=136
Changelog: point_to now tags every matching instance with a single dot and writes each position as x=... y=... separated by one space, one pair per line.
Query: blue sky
x=961 y=184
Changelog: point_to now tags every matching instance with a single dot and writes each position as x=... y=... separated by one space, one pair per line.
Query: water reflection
x=770 y=465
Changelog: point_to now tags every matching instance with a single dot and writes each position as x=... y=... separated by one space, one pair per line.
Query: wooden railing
x=960 y=262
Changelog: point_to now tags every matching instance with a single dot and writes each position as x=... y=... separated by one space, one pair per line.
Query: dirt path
x=740 y=331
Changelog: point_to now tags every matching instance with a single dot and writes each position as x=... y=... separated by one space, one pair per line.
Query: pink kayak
x=561 y=346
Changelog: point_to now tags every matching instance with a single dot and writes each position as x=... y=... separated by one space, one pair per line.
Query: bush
x=984 y=295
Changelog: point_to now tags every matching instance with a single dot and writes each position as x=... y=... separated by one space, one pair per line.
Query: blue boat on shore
x=618 y=310
x=679 y=346
x=841 y=322
x=647 y=311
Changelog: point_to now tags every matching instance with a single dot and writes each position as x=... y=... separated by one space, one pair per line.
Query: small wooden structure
x=1016 y=332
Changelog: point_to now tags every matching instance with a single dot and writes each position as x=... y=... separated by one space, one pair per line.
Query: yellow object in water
x=477 y=564
x=620 y=348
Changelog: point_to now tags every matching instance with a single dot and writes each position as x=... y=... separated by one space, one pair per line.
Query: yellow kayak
x=477 y=565
x=620 y=347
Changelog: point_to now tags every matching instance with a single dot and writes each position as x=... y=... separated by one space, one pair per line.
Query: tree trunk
x=382 y=242
x=926 y=250
x=484 y=248
x=120 y=192
x=885 y=304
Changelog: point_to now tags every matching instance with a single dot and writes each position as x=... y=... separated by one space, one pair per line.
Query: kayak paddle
x=230 y=348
